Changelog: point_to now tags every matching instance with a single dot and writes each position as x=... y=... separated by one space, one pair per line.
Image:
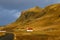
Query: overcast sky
x=10 y=10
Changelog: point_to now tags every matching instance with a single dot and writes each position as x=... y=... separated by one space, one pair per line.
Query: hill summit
x=31 y=13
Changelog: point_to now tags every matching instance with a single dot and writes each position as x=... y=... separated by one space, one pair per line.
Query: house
x=29 y=29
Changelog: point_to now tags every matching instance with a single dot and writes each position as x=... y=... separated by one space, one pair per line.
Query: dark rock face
x=29 y=14
x=8 y=36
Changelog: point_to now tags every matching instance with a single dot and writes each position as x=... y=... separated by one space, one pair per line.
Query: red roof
x=29 y=29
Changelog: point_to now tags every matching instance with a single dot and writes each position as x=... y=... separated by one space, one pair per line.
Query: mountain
x=26 y=17
x=41 y=20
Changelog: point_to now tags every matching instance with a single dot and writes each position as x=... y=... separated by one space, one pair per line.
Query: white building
x=29 y=29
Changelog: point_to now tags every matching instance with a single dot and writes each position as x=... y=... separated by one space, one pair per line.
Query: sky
x=10 y=10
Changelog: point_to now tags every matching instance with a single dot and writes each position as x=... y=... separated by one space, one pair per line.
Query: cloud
x=22 y=4
x=57 y=1
x=15 y=4
x=16 y=15
x=8 y=16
